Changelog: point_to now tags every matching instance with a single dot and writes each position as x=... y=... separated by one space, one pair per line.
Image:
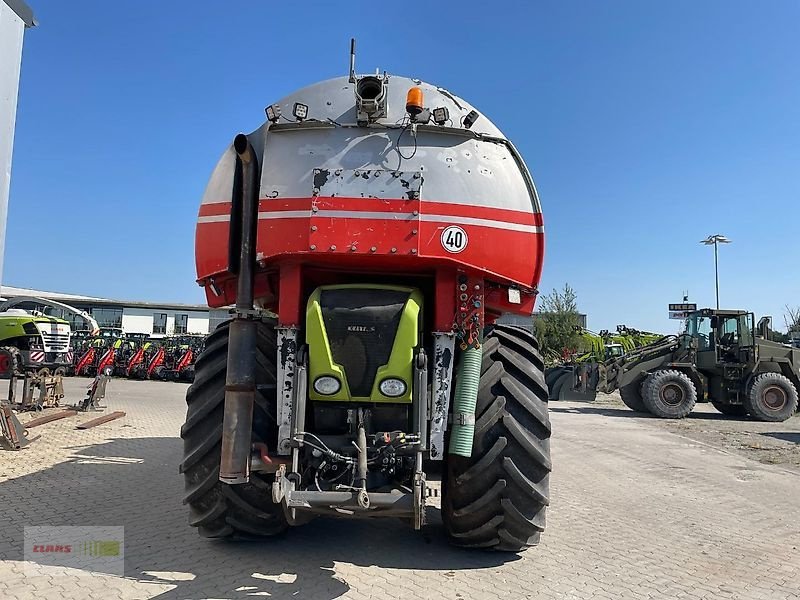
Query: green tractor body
x=361 y=343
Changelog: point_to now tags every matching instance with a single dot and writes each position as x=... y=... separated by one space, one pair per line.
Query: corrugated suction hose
x=466 y=397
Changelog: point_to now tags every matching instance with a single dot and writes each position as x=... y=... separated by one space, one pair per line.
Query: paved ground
x=639 y=510
x=769 y=443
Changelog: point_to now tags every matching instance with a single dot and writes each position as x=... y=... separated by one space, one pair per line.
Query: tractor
x=720 y=359
x=174 y=361
x=369 y=234
x=124 y=350
x=139 y=364
x=99 y=353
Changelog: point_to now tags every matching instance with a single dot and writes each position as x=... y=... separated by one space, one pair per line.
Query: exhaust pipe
x=240 y=381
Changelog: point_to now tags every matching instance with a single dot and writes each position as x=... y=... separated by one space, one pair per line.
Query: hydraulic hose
x=466 y=397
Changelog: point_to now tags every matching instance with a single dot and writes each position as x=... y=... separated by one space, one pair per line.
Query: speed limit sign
x=454 y=239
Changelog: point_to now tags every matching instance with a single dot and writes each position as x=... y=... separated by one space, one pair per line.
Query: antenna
x=352 y=60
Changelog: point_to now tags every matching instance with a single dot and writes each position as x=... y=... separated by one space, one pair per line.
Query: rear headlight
x=327 y=385
x=393 y=387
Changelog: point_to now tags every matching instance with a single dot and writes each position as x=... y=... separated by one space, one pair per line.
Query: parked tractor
x=37 y=343
x=124 y=349
x=386 y=224
x=141 y=364
x=175 y=360
x=719 y=359
x=99 y=353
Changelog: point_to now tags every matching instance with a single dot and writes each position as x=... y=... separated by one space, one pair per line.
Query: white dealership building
x=153 y=318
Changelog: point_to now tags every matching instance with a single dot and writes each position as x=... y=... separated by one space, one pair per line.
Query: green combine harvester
x=36 y=342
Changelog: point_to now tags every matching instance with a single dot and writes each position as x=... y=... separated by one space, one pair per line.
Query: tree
x=792 y=318
x=558 y=323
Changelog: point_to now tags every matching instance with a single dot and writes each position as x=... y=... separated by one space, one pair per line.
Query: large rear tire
x=772 y=397
x=631 y=395
x=217 y=509
x=669 y=394
x=497 y=498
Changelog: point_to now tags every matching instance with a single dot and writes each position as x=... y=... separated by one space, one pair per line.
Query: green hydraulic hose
x=466 y=397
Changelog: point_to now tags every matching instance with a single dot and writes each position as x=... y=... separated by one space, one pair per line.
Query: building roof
x=23 y=11
x=8 y=291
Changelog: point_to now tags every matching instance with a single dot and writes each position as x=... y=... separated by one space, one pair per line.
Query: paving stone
x=637 y=512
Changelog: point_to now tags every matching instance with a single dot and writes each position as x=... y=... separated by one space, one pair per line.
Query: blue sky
x=647 y=126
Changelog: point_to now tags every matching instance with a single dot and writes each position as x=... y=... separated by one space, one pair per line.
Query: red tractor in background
x=141 y=363
x=98 y=353
x=370 y=233
x=174 y=360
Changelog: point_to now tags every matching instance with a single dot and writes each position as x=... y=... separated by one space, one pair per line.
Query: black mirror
x=714 y=322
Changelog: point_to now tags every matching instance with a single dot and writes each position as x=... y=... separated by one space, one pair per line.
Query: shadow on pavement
x=621 y=411
x=135 y=483
x=608 y=411
x=786 y=436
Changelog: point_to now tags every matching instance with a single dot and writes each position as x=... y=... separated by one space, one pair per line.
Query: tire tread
x=217 y=509
x=497 y=498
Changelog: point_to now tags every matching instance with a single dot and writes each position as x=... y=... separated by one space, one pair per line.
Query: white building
x=157 y=319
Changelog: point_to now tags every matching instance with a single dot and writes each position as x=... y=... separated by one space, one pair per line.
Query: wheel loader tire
x=772 y=397
x=732 y=410
x=219 y=510
x=631 y=395
x=554 y=378
x=497 y=498
x=669 y=394
x=557 y=379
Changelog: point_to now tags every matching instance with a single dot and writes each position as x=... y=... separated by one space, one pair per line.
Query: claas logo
x=52 y=548
x=96 y=548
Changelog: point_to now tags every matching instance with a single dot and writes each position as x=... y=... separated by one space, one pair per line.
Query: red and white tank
x=361 y=175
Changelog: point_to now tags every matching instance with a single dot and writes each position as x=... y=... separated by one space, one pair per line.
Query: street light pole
x=716 y=269
x=715 y=240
